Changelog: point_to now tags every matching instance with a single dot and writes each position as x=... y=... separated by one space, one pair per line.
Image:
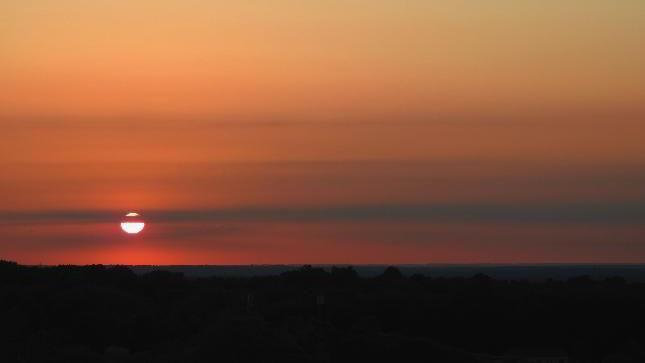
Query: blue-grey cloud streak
x=606 y=213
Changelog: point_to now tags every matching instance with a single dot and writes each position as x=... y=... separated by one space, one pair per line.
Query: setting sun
x=132 y=224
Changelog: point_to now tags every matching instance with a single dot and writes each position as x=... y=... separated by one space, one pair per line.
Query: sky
x=258 y=132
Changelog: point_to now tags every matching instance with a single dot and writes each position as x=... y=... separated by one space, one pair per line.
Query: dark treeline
x=109 y=314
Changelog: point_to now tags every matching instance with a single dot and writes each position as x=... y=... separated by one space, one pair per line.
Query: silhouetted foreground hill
x=110 y=314
x=531 y=272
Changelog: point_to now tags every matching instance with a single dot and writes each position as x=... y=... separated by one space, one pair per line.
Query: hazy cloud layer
x=570 y=213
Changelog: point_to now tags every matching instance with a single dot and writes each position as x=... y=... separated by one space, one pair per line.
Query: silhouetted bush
x=109 y=314
x=392 y=273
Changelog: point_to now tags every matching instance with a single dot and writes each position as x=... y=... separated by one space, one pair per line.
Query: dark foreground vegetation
x=109 y=314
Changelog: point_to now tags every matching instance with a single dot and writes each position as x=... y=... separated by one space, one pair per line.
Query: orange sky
x=182 y=108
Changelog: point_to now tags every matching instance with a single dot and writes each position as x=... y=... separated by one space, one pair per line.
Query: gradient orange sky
x=322 y=132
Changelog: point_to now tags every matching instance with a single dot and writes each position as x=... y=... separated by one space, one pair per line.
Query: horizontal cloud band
x=632 y=213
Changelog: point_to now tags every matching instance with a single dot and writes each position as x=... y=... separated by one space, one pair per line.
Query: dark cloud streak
x=607 y=213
